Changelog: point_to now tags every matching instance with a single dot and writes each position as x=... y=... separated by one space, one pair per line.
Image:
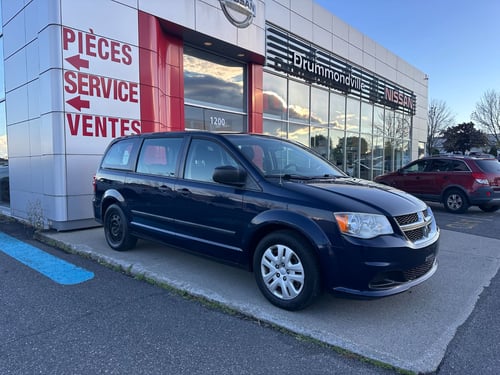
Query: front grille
x=415 y=234
x=416 y=226
x=416 y=272
x=407 y=219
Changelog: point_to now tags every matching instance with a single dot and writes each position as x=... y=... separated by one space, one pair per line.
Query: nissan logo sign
x=239 y=12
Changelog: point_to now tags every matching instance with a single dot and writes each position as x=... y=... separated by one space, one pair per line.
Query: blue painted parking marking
x=48 y=265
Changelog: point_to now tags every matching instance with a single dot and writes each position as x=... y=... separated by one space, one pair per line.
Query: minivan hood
x=358 y=193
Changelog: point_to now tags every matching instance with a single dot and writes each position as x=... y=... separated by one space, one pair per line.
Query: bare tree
x=487 y=113
x=438 y=119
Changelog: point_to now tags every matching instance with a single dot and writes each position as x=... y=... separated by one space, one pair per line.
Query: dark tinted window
x=440 y=165
x=489 y=166
x=121 y=155
x=458 y=166
x=159 y=156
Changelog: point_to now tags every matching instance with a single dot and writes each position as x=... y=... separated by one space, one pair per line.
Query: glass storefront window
x=319 y=141
x=352 y=117
x=275 y=128
x=389 y=124
x=361 y=138
x=275 y=96
x=211 y=80
x=337 y=141
x=197 y=118
x=298 y=101
x=389 y=152
x=4 y=156
x=364 y=164
x=337 y=111
x=299 y=133
x=421 y=149
x=366 y=117
x=319 y=106
x=378 y=154
x=214 y=92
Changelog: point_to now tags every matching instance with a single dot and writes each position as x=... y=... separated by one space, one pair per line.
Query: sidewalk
x=410 y=331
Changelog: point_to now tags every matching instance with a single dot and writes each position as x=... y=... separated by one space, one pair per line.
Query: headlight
x=362 y=225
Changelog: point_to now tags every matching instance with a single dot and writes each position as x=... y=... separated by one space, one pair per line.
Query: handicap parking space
x=410 y=331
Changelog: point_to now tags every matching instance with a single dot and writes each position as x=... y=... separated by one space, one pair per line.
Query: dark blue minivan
x=267 y=204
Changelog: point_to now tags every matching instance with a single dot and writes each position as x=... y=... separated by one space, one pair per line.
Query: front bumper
x=384 y=266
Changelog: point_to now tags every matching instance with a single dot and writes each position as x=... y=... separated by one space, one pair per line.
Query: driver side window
x=202 y=159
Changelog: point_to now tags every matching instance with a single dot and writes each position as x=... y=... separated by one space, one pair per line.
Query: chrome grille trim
x=418 y=226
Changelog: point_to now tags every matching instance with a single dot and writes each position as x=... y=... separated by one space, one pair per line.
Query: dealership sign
x=301 y=59
x=239 y=12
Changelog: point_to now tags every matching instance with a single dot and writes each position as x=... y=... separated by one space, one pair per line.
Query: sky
x=455 y=42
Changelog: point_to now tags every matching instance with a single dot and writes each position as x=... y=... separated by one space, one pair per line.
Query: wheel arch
x=109 y=197
x=276 y=220
x=454 y=187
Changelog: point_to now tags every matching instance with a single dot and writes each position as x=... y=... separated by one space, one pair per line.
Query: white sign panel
x=100 y=72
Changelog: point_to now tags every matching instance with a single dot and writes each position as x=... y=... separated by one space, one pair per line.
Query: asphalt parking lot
x=410 y=331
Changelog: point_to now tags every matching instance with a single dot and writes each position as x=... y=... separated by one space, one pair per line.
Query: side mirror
x=230 y=175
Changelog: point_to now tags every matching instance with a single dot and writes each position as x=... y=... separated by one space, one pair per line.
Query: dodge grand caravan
x=269 y=205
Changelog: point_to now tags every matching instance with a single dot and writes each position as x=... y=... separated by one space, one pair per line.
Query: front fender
x=293 y=220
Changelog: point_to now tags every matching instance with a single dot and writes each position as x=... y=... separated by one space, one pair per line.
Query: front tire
x=286 y=270
x=116 y=229
x=455 y=202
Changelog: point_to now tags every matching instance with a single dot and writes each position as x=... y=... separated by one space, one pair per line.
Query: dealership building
x=77 y=74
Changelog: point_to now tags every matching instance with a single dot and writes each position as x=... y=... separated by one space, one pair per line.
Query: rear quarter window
x=121 y=155
x=489 y=166
x=159 y=156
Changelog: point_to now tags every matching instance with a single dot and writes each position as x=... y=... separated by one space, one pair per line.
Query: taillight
x=94 y=183
x=480 y=179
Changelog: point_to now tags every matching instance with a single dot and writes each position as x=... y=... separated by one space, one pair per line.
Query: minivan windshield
x=275 y=157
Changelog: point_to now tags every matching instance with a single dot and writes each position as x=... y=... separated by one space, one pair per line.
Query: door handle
x=184 y=191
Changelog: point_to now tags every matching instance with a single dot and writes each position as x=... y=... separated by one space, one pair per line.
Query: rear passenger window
x=459 y=166
x=440 y=165
x=121 y=155
x=159 y=156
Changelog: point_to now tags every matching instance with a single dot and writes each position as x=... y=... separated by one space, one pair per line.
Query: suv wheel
x=116 y=229
x=455 y=201
x=286 y=270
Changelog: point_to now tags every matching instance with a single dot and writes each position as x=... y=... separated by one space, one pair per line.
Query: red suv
x=456 y=181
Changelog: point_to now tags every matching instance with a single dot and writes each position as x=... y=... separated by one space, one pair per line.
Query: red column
x=255 y=98
x=160 y=76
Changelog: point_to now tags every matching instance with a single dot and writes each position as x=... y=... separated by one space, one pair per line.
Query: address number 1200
x=218 y=122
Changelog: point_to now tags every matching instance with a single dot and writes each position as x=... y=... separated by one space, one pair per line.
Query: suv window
x=121 y=155
x=440 y=165
x=159 y=156
x=419 y=166
x=202 y=159
x=489 y=166
x=458 y=166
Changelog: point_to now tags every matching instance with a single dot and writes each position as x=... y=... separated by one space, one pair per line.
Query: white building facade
x=80 y=73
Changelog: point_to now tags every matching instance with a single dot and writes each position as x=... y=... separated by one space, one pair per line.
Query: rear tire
x=487 y=208
x=116 y=229
x=455 y=202
x=286 y=270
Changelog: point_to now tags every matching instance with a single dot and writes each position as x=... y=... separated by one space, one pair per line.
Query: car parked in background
x=269 y=205
x=456 y=181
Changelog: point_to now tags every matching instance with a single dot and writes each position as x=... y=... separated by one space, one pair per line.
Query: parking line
x=48 y=265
